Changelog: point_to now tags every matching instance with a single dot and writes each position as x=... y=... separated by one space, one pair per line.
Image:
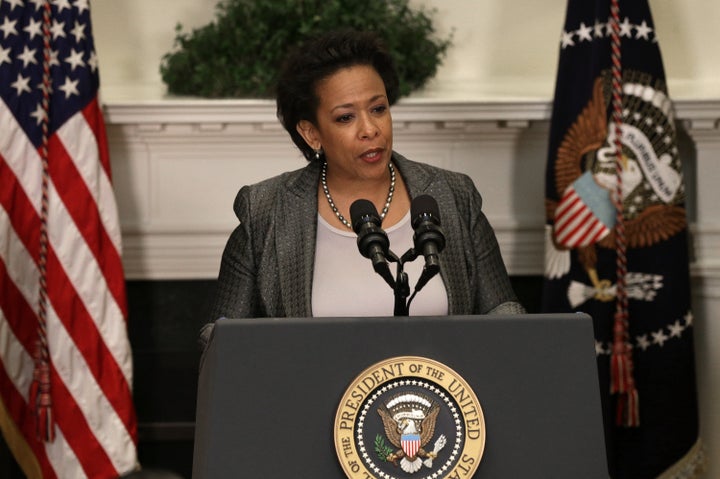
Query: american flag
x=65 y=362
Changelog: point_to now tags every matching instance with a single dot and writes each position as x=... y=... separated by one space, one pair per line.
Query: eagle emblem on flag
x=584 y=172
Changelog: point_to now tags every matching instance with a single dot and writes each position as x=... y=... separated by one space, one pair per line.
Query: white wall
x=503 y=48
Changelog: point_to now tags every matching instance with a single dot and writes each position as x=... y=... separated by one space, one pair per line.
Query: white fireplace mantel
x=179 y=162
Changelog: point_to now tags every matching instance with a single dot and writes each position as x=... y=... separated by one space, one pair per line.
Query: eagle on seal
x=410 y=431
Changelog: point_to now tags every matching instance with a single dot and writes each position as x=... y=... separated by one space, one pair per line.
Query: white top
x=345 y=283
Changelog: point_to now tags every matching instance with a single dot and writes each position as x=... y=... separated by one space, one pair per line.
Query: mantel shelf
x=194 y=110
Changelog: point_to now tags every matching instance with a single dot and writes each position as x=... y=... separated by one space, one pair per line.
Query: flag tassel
x=40 y=398
x=623 y=384
x=628 y=410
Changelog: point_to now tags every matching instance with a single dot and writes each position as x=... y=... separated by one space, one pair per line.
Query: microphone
x=429 y=238
x=372 y=240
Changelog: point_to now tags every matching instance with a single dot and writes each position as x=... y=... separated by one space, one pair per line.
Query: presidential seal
x=409 y=417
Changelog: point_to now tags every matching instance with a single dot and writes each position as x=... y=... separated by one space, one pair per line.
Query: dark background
x=164 y=320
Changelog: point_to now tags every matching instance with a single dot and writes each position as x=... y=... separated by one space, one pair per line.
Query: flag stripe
x=19 y=268
x=63 y=457
x=16 y=373
x=570 y=228
x=82 y=280
x=82 y=141
x=597 y=233
x=19 y=411
x=81 y=202
x=15 y=149
x=17 y=317
x=93 y=458
x=580 y=233
x=97 y=124
x=570 y=200
x=103 y=420
x=575 y=224
x=575 y=208
x=88 y=338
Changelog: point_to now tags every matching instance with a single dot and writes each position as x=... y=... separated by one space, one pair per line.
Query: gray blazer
x=267 y=265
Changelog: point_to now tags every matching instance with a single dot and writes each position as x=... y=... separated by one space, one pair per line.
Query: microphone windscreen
x=363 y=211
x=424 y=208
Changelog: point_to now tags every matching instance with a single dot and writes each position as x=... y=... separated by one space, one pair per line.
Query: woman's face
x=354 y=125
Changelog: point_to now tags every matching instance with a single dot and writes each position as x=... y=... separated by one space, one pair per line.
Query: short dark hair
x=315 y=60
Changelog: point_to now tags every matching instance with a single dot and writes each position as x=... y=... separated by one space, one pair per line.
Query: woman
x=294 y=253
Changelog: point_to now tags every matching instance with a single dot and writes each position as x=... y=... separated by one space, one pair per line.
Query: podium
x=270 y=389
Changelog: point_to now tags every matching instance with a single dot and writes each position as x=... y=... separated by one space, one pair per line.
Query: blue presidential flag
x=617 y=240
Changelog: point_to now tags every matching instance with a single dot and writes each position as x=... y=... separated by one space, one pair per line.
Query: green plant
x=239 y=53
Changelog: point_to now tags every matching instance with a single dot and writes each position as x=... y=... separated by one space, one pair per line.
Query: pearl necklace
x=323 y=181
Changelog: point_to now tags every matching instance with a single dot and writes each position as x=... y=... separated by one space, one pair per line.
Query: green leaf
x=381 y=448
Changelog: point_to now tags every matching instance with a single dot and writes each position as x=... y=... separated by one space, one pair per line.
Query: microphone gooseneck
x=429 y=239
x=372 y=241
